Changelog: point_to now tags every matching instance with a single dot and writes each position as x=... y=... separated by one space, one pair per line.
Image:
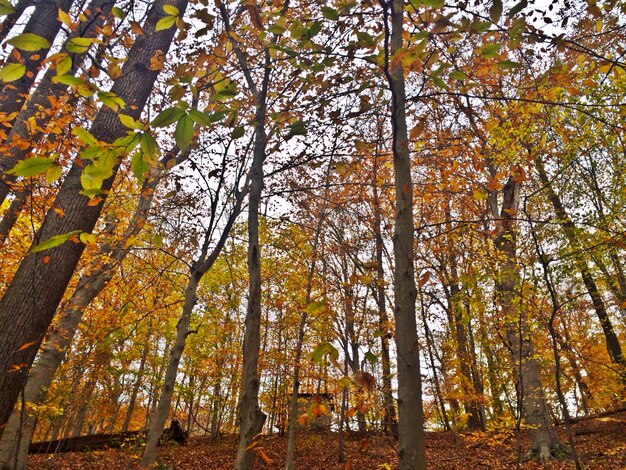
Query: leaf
x=371 y=357
x=87 y=238
x=32 y=166
x=53 y=173
x=458 y=75
x=166 y=22
x=330 y=13
x=166 y=117
x=54 y=241
x=118 y=13
x=12 y=72
x=27 y=345
x=495 y=12
x=517 y=8
x=85 y=136
x=64 y=65
x=29 y=42
x=139 y=166
x=313 y=307
x=171 y=10
x=110 y=99
x=508 y=64
x=69 y=80
x=79 y=45
x=490 y=50
x=65 y=18
x=238 y=132
x=323 y=350
x=199 y=117
x=6 y=8
x=130 y=122
x=149 y=147
x=184 y=132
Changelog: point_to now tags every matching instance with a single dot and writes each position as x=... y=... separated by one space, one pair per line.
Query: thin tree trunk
x=411 y=448
x=24 y=318
x=135 y=392
x=12 y=214
x=534 y=409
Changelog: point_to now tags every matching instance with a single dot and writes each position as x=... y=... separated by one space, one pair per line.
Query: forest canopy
x=258 y=217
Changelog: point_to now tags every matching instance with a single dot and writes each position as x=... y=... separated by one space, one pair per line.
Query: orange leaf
x=26 y=345
x=263 y=455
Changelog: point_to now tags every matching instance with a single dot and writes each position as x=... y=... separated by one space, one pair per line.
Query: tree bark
x=411 y=447
x=534 y=409
x=38 y=101
x=24 y=317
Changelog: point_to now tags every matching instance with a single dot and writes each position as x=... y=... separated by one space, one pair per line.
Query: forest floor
x=600 y=442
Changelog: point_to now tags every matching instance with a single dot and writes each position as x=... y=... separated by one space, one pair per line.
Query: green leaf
x=64 y=65
x=517 y=8
x=171 y=10
x=118 y=13
x=32 y=166
x=323 y=350
x=69 y=80
x=53 y=173
x=79 y=45
x=149 y=147
x=110 y=99
x=54 y=241
x=313 y=307
x=508 y=64
x=184 y=132
x=237 y=132
x=495 y=12
x=370 y=357
x=199 y=117
x=166 y=22
x=297 y=128
x=6 y=8
x=458 y=75
x=12 y=72
x=490 y=50
x=87 y=238
x=166 y=117
x=139 y=166
x=276 y=29
x=217 y=116
x=330 y=13
x=130 y=122
x=29 y=42
x=85 y=136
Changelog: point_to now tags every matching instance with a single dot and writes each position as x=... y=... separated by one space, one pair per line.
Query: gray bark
x=411 y=448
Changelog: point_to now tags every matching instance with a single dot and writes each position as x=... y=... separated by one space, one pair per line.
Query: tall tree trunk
x=390 y=425
x=534 y=409
x=569 y=230
x=135 y=391
x=411 y=448
x=22 y=129
x=24 y=317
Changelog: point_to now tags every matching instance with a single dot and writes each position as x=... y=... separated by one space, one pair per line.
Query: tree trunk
x=135 y=392
x=411 y=448
x=22 y=130
x=24 y=317
x=569 y=230
x=157 y=423
x=534 y=409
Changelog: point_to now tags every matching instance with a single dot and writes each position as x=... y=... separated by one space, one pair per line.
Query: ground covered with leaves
x=601 y=444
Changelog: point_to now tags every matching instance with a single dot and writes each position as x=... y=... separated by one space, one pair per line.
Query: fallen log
x=106 y=441
x=85 y=443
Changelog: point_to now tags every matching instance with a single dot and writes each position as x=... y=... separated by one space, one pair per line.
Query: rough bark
x=29 y=303
x=534 y=409
x=43 y=22
x=411 y=448
x=38 y=104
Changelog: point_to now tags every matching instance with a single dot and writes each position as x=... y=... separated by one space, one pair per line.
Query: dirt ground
x=600 y=442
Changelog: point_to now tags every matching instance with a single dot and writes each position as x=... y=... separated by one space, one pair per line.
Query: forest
x=312 y=234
